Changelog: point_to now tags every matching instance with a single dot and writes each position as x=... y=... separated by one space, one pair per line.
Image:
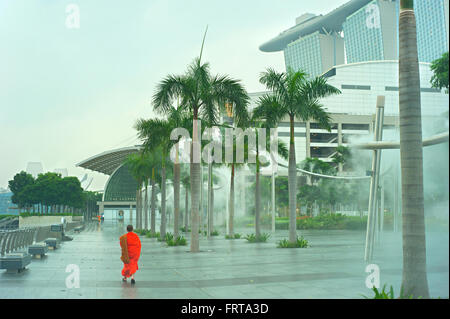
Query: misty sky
x=68 y=94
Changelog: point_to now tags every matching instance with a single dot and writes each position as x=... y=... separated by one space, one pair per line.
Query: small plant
x=215 y=233
x=183 y=229
x=299 y=243
x=167 y=237
x=152 y=235
x=235 y=236
x=383 y=294
x=252 y=238
x=179 y=241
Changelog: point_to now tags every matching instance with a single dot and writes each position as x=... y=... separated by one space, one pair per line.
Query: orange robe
x=131 y=251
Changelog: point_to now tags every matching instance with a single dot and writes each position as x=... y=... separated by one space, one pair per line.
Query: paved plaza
x=333 y=267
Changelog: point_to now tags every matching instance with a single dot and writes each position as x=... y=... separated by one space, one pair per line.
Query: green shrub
x=183 y=229
x=252 y=238
x=28 y=214
x=167 y=237
x=383 y=294
x=299 y=243
x=142 y=232
x=6 y=216
x=152 y=235
x=179 y=241
x=235 y=236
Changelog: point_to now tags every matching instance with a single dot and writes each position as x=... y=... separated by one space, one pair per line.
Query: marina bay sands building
x=355 y=47
x=358 y=31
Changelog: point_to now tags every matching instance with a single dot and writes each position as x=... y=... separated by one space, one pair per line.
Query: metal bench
x=15 y=262
x=38 y=250
x=52 y=243
x=78 y=229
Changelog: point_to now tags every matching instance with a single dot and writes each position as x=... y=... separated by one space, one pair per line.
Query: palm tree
x=138 y=164
x=233 y=167
x=156 y=135
x=296 y=96
x=414 y=280
x=201 y=94
x=186 y=181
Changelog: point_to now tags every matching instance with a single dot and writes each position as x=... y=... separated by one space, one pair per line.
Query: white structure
x=62 y=171
x=352 y=112
x=34 y=168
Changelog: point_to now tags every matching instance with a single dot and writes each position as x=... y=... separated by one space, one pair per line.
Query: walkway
x=331 y=268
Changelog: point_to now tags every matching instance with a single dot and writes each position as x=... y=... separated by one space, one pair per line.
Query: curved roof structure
x=330 y=22
x=121 y=186
x=108 y=162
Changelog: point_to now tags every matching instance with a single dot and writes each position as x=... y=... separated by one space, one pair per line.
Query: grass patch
x=167 y=237
x=152 y=235
x=235 y=236
x=179 y=241
x=299 y=243
x=252 y=238
x=384 y=294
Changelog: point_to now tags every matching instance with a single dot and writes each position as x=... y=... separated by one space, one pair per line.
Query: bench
x=15 y=262
x=38 y=250
x=52 y=243
x=78 y=229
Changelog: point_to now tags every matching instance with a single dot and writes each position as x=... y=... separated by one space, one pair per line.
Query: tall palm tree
x=156 y=135
x=295 y=96
x=186 y=181
x=202 y=94
x=138 y=164
x=234 y=166
x=414 y=280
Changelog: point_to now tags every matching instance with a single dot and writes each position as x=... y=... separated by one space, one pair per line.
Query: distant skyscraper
x=432 y=28
x=370 y=33
x=315 y=53
x=62 y=171
x=360 y=31
x=34 y=168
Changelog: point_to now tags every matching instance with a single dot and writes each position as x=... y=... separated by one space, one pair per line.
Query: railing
x=12 y=240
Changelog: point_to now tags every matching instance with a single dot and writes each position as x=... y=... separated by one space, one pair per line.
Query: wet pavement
x=333 y=267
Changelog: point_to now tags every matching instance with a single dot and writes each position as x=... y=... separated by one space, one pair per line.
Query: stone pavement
x=332 y=267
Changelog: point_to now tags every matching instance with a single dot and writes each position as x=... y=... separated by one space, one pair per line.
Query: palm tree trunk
x=231 y=204
x=257 y=197
x=163 y=203
x=414 y=281
x=176 y=194
x=146 y=207
x=153 y=200
x=212 y=208
x=195 y=187
x=292 y=185
x=209 y=230
x=186 y=209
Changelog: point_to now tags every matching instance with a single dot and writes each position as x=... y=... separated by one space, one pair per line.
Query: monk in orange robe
x=131 y=251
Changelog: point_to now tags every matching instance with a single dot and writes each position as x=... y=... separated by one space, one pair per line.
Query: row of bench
x=11 y=241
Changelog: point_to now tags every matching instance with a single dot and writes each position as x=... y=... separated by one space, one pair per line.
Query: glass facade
x=363 y=35
x=431 y=31
x=121 y=186
x=6 y=204
x=305 y=54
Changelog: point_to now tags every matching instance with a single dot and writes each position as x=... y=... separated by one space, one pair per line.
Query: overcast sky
x=69 y=94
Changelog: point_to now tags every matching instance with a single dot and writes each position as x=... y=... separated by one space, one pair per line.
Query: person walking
x=131 y=251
